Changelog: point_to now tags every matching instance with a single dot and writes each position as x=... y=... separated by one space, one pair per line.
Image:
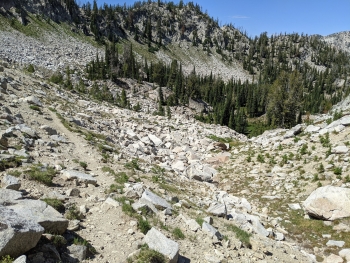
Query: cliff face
x=56 y=10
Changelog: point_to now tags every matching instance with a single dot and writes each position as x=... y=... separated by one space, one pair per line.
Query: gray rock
x=294 y=206
x=159 y=242
x=208 y=219
x=33 y=100
x=78 y=252
x=10 y=182
x=73 y=192
x=58 y=138
x=178 y=165
x=217 y=210
x=193 y=225
x=211 y=231
x=279 y=236
x=345 y=253
x=156 y=141
x=340 y=149
x=8 y=196
x=49 y=130
x=328 y=202
x=17 y=234
x=41 y=213
x=157 y=201
x=21 y=259
x=334 y=243
x=312 y=129
x=24 y=129
x=79 y=176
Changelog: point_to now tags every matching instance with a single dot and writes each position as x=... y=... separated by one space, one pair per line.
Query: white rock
x=158 y=242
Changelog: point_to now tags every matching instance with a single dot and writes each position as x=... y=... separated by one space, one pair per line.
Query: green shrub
x=42 y=174
x=14 y=173
x=199 y=220
x=320 y=168
x=83 y=164
x=178 y=233
x=55 y=203
x=134 y=164
x=73 y=213
x=325 y=140
x=83 y=242
x=31 y=68
x=337 y=170
x=260 y=158
x=35 y=107
x=148 y=256
x=6 y=259
x=59 y=241
x=303 y=149
x=144 y=225
x=242 y=235
x=121 y=178
x=56 y=78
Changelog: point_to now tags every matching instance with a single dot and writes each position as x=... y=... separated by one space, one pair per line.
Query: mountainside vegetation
x=292 y=75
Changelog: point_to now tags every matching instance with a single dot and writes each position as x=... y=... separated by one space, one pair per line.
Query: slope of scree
x=126 y=153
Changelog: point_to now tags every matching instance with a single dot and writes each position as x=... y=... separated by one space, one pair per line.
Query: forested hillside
x=287 y=75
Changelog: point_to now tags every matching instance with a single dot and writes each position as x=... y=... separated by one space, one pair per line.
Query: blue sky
x=322 y=17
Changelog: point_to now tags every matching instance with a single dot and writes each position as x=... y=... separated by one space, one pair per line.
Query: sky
x=323 y=17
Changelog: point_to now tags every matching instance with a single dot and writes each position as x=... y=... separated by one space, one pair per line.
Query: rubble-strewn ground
x=258 y=179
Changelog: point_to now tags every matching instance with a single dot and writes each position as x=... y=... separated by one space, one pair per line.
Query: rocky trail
x=114 y=179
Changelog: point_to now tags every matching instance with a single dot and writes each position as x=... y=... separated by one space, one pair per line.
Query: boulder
x=78 y=252
x=156 y=141
x=41 y=213
x=33 y=100
x=21 y=259
x=178 y=165
x=328 y=203
x=79 y=176
x=334 y=243
x=154 y=199
x=8 y=196
x=211 y=231
x=340 y=149
x=159 y=242
x=17 y=234
x=312 y=129
x=10 y=182
x=49 y=130
x=345 y=253
x=192 y=225
x=333 y=259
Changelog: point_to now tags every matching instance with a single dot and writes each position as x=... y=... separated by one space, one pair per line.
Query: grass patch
x=242 y=235
x=200 y=221
x=148 y=256
x=144 y=225
x=55 y=203
x=133 y=165
x=59 y=241
x=42 y=174
x=177 y=233
x=83 y=242
x=73 y=213
x=15 y=173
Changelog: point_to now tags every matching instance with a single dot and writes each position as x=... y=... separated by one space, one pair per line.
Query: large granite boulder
x=41 y=213
x=328 y=203
x=17 y=234
x=159 y=242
